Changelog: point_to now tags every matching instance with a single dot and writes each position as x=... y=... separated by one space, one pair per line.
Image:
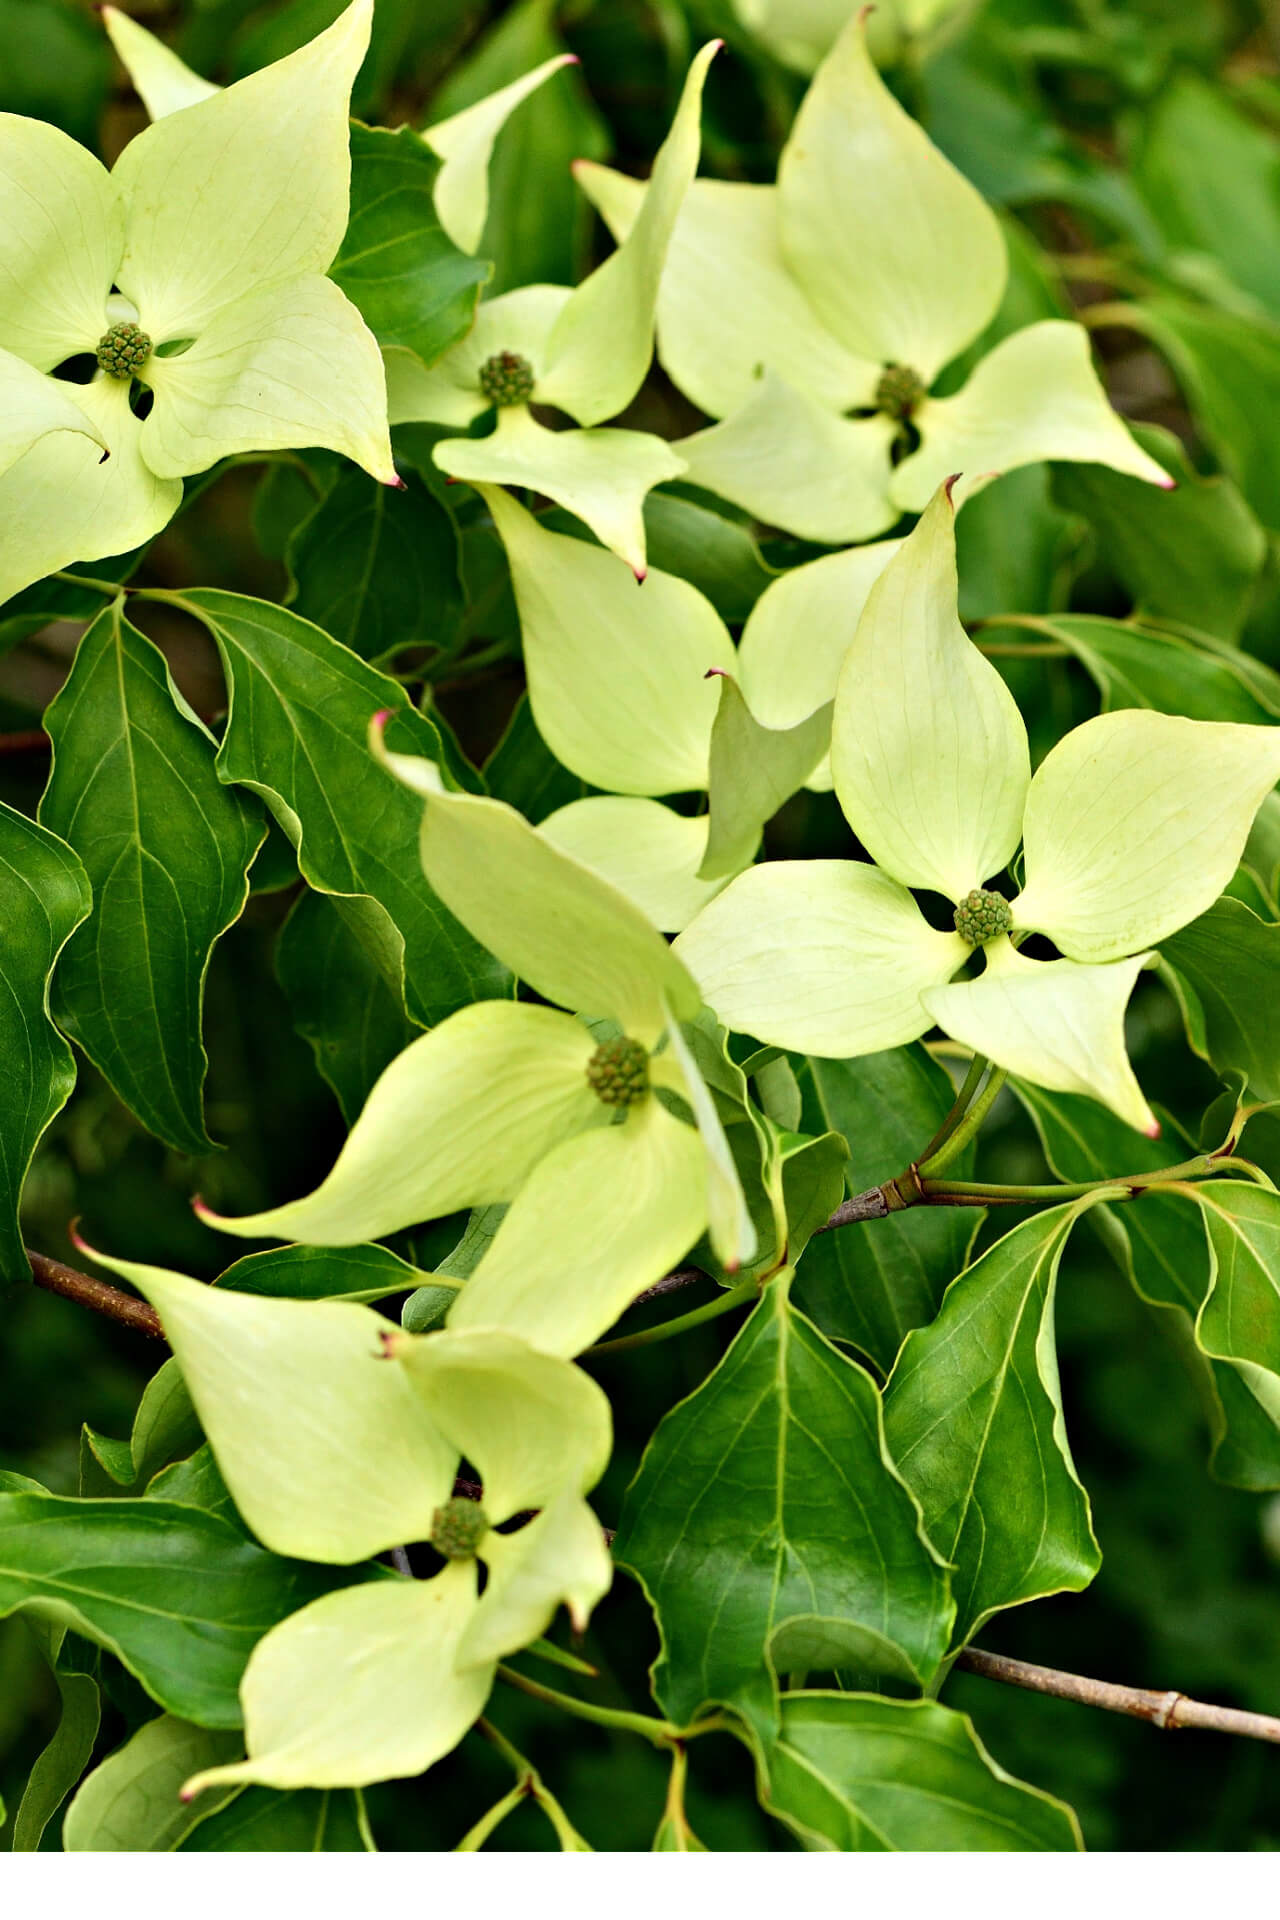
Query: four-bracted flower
x=1132 y=825
x=505 y=1101
x=194 y=269
x=846 y=289
x=585 y=350
x=340 y=1436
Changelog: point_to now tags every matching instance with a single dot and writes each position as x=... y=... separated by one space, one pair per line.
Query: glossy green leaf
x=854 y=1774
x=1229 y=368
x=167 y=849
x=322 y=1273
x=1225 y=965
x=341 y=1000
x=753 y=770
x=44 y=895
x=58 y=1766
x=1240 y=1320
x=1136 y=666
x=164 y=1426
x=1192 y=555
x=258 y=1820
x=297 y=734
x=415 y=288
x=130 y=1804
x=972 y=1405
x=720 y=557
x=376 y=566
x=871 y=1284
x=180 y=1597
x=770 y=1493
x=1151 y=1244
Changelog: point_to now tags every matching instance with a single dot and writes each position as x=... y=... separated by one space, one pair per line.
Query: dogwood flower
x=747 y=724
x=505 y=1101
x=339 y=1436
x=195 y=268
x=1131 y=826
x=811 y=318
x=585 y=350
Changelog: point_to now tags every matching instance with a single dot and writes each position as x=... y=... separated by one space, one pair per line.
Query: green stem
x=960 y=1136
x=660 y=1732
x=472 y=1841
x=667 y=1329
x=111 y=588
x=964 y=1193
x=969 y=1086
x=530 y=1783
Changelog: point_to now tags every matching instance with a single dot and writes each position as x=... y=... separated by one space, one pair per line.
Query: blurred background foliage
x=1134 y=150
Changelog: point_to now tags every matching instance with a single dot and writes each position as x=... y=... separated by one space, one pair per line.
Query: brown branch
x=32 y=740
x=871 y=1205
x=54 y=1277
x=1168 y=1711
x=682 y=1277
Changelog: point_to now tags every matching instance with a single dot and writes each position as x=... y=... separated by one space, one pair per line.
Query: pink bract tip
x=716 y=673
x=1167 y=485
x=201 y=1208
x=73 y=1235
x=1153 y=1131
x=641 y=574
x=951 y=478
x=381 y=718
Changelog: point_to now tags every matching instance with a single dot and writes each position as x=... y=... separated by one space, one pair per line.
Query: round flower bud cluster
x=506 y=379
x=982 y=915
x=457 y=1528
x=899 y=392
x=618 y=1072
x=123 y=349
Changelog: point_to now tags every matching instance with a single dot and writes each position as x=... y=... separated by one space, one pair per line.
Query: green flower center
x=618 y=1072
x=982 y=915
x=899 y=392
x=123 y=349
x=506 y=379
x=458 y=1527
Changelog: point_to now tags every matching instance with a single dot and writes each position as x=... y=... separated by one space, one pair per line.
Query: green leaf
x=164 y=1426
x=855 y=1774
x=1229 y=368
x=377 y=567
x=396 y=262
x=341 y=1001
x=720 y=557
x=55 y=1771
x=322 y=1273
x=1192 y=555
x=130 y=1804
x=167 y=849
x=1135 y=666
x=1211 y=177
x=769 y=1493
x=1224 y=965
x=1240 y=1319
x=972 y=1408
x=1150 y=1243
x=753 y=771
x=297 y=734
x=871 y=1284
x=179 y=1597
x=44 y=896
x=260 y=1820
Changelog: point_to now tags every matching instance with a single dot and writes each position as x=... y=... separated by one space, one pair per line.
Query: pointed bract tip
x=80 y=1244
x=202 y=1210
x=948 y=487
x=1153 y=1131
x=104 y=456
x=1168 y=484
x=400 y=486
x=716 y=673
x=380 y=719
x=187 y=1794
x=732 y=1266
x=641 y=574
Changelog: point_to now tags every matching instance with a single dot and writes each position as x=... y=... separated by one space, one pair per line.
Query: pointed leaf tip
x=950 y=481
